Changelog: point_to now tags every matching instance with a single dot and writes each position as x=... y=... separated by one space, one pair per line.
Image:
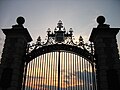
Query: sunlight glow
x=42 y=72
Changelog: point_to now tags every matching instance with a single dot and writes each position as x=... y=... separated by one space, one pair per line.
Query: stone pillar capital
x=103 y=32
x=18 y=32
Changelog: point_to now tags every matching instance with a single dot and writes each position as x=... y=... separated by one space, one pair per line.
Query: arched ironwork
x=59 y=63
x=56 y=47
x=71 y=73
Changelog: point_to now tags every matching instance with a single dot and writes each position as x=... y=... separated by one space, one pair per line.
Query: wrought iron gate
x=71 y=73
x=59 y=64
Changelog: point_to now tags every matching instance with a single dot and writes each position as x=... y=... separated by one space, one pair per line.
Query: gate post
x=107 y=57
x=14 y=51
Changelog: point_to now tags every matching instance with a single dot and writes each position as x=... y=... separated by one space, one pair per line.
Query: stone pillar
x=14 y=51
x=107 y=57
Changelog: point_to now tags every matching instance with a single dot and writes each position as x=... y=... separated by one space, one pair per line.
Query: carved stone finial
x=20 y=20
x=101 y=20
x=60 y=24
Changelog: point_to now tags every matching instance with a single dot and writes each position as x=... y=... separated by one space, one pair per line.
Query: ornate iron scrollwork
x=60 y=36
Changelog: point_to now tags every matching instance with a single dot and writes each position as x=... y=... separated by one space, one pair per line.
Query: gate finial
x=20 y=20
x=60 y=24
x=100 y=21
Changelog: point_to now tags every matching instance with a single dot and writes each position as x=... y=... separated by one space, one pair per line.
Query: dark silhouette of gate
x=60 y=64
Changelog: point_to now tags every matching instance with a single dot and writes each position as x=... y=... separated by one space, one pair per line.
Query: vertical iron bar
x=87 y=75
x=47 y=69
x=38 y=83
x=48 y=65
x=59 y=70
x=50 y=70
x=53 y=65
x=42 y=78
x=90 y=78
x=42 y=73
x=35 y=84
x=77 y=73
x=45 y=59
x=71 y=68
x=73 y=74
x=39 y=60
x=67 y=71
x=32 y=75
x=74 y=69
x=56 y=70
x=82 y=73
x=64 y=80
x=68 y=68
x=64 y=72
x=87 y=79
x=36 y=73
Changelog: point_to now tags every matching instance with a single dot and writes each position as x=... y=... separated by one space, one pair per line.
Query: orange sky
x=48 y=71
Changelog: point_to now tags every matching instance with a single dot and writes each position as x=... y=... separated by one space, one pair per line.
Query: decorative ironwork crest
x=60 y=36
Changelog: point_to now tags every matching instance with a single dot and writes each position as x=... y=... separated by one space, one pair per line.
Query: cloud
x=71 y=81
x=34 y=77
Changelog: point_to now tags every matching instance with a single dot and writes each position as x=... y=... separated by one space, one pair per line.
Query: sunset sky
x=74 y=71
x=43 y=14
